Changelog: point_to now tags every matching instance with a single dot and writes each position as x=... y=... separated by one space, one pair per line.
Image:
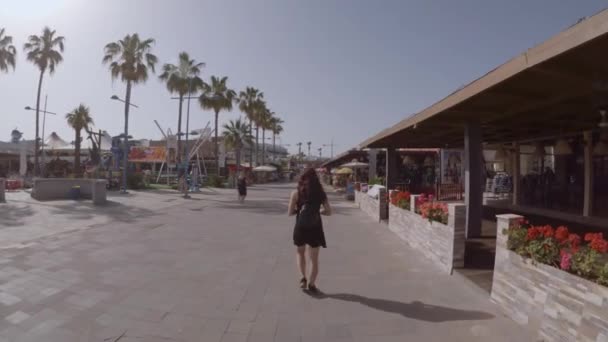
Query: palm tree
x=217 y=96
x=236 y=134
x=265 y=123
x=182 y=79
x=260 y=110
x=248 y=102
x=44 y=51
x=129 y=59
x=79 y=119
x=277 y=129
x=7 y=51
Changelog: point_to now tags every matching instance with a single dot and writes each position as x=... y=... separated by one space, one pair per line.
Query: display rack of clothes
x=502 y=183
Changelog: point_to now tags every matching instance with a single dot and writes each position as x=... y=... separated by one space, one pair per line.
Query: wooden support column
x=516 y=173
x=391 y=168
x=588 y=192
x=372 y=154
x=473 y=178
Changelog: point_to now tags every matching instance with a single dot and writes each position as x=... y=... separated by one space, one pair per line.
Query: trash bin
x=75 y=193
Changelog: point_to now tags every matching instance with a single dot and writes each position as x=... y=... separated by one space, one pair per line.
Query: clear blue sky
x=330 y=68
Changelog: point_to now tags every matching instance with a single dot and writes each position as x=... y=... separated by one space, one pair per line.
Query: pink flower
x=565 y=261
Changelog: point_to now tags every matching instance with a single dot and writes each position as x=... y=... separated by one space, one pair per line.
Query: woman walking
x=306 y=203
x=242 y=188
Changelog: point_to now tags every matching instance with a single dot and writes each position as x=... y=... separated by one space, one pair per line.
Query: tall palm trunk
x=274 y=146
x=125 y=148
x=77 y=154
x=179 y=128
x=263 y=146
x=257 y=144
x=250 y=145
x=238 y=163
x=37 y=142
x=217 y=145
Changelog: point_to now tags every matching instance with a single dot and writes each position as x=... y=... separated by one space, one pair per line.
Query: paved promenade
x=154 y=267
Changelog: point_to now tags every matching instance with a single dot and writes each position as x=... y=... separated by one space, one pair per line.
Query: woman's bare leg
x=301 y=258
x=314 y=260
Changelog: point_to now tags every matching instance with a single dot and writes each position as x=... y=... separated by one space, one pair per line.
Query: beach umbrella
x=265 y=168
x=355 y=164
x=344 y=171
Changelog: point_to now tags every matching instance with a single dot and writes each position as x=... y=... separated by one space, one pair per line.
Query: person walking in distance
x=242 y=188
x=308 y=203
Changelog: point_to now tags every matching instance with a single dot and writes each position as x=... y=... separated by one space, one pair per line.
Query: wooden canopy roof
x=552 y=89
x=345 y=157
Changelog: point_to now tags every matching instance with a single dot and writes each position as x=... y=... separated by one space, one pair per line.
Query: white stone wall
x=557 y=304
x=374 y=208
x=443 y=244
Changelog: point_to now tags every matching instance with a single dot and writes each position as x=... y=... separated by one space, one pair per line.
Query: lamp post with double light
x=43 y=126
x=125 y=151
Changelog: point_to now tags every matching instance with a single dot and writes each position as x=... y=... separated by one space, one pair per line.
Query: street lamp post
x=43 y=126
x=125 y=151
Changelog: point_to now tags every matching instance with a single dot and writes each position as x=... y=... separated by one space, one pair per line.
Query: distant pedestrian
x=242 y=188
x=306 y=203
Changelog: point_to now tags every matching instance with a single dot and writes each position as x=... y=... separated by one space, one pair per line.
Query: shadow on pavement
x=82 y=210
x=12 y=216
x=415 y=310
x=259 y=207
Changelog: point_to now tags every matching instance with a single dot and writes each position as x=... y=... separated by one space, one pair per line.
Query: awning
x=554 y=88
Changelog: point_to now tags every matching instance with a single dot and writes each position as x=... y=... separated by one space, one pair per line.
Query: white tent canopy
x=355 y=164
x=56 y=143
x=265 y=168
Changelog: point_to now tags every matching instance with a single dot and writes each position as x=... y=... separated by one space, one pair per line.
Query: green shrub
x=376 y=181
x=215 y=181
x=135 y=181
x=584 y=262
x=545 y=250
x=603 y=275
x=516 y=239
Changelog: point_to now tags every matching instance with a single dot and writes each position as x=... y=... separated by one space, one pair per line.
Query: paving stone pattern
x=557 y=304
x=210 y=269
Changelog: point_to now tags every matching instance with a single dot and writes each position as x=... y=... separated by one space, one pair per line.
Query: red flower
x=599 y=245
x=561 y=234
x=592 y=236
x=547 y=231
x=533 y=233
x=575 y=241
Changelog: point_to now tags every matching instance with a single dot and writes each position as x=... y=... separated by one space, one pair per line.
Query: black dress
x=242 y=187
x=308 y=229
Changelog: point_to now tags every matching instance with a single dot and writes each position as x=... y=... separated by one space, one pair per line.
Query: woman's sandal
x=303 y=283
x=313 y=289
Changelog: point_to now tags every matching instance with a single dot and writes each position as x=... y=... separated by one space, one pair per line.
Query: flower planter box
x=443 y=244
x=559 y=305
x=374 y=208
x=46 y=189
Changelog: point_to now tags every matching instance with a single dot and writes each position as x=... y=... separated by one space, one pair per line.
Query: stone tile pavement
x=155 y=267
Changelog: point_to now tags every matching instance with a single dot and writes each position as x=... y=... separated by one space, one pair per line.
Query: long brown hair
x=310 y=188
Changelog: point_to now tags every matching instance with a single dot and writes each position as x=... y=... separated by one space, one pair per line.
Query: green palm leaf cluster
x=43 y=51
x=79 y=119
x=217 y=97
x=129 y=59
x=8 y=53
x=182 y=79
x=236 y=135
